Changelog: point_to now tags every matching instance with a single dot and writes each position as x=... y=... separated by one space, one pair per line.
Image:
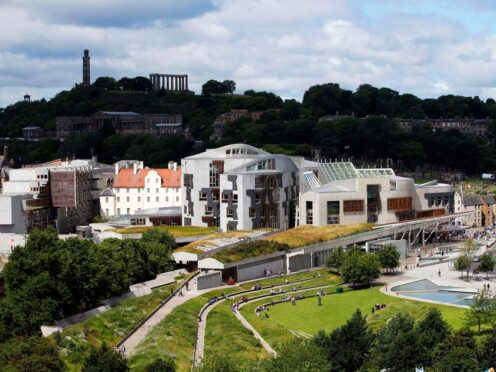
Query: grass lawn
x=227 y=336
x=306 y=316
x=109 y=327
x=306 y=235
x=174 y=336
x=192 y=247
x=277 y=280
x=174 y=230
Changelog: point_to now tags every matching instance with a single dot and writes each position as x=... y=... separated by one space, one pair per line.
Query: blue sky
x=428 y=48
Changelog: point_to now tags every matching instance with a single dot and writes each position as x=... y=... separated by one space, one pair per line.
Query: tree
x=218 y=87
x=104 y=360
x=459 y=352
x=389 y=257
x=482 y=310
x=463 y=263
x=298 y=355
x=487 y=263
x=360 y=268
x=488 y=350
x=30 y=354
x=470 y=248
x=395 y=346
x=105 y=82
x=335 y=259
x=163 y=364
x=429 y=332
x=349 y=346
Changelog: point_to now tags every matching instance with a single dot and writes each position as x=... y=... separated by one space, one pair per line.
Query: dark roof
x=470 y=200
x=107 y=192
x=119 y=113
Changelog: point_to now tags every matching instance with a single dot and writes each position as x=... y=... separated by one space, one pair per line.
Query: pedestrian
x=439 y=273
x=319 y=301
x=187 y=286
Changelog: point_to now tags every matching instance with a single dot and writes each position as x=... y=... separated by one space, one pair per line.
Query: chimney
x=116 y=168
x=170 y=165
x=135 y=168
x=175 y=166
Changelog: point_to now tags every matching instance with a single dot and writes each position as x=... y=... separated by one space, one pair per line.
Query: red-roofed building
x=137 y=188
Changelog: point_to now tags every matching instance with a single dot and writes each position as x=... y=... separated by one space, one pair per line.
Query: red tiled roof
x=126 y=178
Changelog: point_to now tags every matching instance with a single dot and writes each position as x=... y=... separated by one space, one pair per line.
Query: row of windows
x=400 y=204
x=119 y=190
x=128 y=199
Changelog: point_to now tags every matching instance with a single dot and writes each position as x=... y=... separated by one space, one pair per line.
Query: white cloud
x=262 y=44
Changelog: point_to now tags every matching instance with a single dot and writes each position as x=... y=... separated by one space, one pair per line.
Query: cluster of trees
x=464 y=262
x=357 y=267
x=286 y=126
x=329 y=99
x=218 y=87
x=49 y=278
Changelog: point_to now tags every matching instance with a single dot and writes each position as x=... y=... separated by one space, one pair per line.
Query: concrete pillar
x=186 y=79
x=167 y=80
x=182 y=83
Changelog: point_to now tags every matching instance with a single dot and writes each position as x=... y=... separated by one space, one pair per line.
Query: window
x=332 y=212
x=251 y=212
x=148 y=199
x=106 y=199
x=230 y=212
x=177 y=198
x=166 y=199
x=139 y=199
x=156 y=199
x=148 y=190
x=309 y=206
x=208 y=210
x=118 y=199
x=106 y=212
x=353 y=206
x=118 y=211
x=127 y=190
x=225 y=198
x=203 y=195
x=127 y=199
x=235 y=198
x=215 y=168
x=156 y=180
x=399 y=204
x=156 y=190
x=257 y=197
x=128 y=211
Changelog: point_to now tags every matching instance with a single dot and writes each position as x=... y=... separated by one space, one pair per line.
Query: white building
x=339 y=193
x=239 y=187
x=136 y=189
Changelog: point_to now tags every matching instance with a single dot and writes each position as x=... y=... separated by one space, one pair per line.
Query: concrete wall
x=206 y=280
x=256 y=270
x=12 y=217
x=300 y=262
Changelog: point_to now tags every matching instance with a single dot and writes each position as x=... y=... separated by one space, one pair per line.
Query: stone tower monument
x=86 y=68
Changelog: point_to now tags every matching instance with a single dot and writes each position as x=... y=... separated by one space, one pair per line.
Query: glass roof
x=375 y=172
x=338 y=171
x=312 y=180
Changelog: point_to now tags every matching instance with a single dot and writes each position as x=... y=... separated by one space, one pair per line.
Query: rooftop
x=127 y=179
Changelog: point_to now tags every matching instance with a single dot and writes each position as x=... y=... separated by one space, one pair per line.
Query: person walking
x=439 y=273
x=319 y=300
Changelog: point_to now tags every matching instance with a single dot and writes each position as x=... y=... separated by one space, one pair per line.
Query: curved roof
x=234 y=150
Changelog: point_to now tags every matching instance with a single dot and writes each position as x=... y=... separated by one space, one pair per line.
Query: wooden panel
x=353 y=206
x=400 y=204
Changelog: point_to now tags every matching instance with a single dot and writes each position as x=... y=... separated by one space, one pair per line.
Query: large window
x=399 y=204
x=353 y=206
x=332 y=212
x=215 y=169
x=309 y=206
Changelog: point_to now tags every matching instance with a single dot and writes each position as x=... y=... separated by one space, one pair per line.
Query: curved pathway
x=202 y=324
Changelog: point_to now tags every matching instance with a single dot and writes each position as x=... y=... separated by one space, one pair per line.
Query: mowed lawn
x=336 y=309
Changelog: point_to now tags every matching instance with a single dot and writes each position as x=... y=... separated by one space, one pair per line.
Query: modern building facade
x=38 y=197
x=239 y=187
x=121 y=122
x=339 y=193
x=136 y=189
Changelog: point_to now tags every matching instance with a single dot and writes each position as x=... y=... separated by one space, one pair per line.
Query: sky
x=425 y=47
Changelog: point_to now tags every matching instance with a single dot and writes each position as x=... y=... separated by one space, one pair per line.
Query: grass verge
x=177 y=231
x=110 y=327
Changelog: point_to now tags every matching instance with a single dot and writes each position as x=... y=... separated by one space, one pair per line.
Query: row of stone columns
x=169 y=82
